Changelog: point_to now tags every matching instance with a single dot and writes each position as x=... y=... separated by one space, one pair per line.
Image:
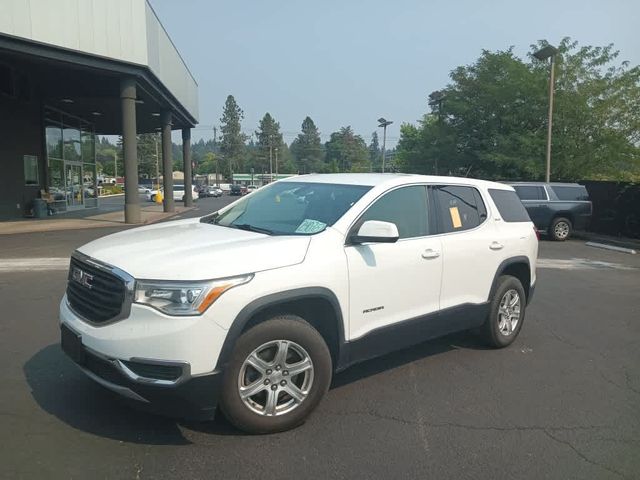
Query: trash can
x=39 y=208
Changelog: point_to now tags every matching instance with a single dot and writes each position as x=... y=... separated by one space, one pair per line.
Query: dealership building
x=74 y=69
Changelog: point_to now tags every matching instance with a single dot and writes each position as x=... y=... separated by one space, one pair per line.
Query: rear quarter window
x=509 y=205
x=573 y=193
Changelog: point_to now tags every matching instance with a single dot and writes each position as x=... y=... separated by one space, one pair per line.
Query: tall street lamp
x=543 y=54
x=382 y=122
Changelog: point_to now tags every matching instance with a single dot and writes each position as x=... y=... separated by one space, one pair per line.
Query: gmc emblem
x=82 y=277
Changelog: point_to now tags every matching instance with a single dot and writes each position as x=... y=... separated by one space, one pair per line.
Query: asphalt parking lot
x=562 y=402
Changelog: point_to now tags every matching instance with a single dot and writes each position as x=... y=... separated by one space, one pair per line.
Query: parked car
x=556 y=209
x=143 y=189
x=215 y=191
x=178 y=192
x=243 y=190
x=254 y=307
x=235 y=190
x=251 y=188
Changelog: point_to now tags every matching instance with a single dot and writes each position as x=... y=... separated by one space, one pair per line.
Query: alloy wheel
x=509 y=312
x=275 y=378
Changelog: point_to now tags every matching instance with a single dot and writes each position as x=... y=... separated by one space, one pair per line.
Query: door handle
x=496 y=246
x=429 y=254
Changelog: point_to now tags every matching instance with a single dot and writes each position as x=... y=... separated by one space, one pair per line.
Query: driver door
x=394 y=282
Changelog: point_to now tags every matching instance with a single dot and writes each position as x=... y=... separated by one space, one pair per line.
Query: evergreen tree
x=307 y=148
x=268 y=139
x=232 y=142
x=347 y=152
x=374 y=152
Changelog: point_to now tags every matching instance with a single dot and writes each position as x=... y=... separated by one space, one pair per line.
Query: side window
x=570 y=193
x=509 y=206
x=406 y=207
x=460 y=208
x=530 y=192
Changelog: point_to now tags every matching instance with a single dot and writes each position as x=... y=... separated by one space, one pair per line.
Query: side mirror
x=376 y=232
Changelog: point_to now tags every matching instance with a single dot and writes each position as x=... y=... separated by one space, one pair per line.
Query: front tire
x=560 y=229
x=279 y=371
x=506 y=313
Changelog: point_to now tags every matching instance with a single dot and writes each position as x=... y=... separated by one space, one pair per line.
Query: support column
x=167 y=163
x=188 y=174
x=130 y=150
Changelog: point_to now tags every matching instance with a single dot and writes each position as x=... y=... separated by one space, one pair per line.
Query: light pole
x=384 y=123
x=276 y=163
x=543 y=54
x=270 y=161
x=115 y=165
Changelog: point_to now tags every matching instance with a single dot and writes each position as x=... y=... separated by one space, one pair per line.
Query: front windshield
x=292 y=208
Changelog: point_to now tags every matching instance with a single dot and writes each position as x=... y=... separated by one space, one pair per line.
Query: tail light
x=537 y=232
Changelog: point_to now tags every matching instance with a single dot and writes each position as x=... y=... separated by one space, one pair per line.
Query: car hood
x=190 y=250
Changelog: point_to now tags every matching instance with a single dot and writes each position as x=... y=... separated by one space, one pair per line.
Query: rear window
x=530 y=192
x=576 y=193
x=509 y=205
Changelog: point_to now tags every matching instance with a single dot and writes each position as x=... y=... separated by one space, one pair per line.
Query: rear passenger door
x=471 y=247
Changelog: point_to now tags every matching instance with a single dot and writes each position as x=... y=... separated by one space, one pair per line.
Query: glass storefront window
x=54 y=141
x=89 y=185
x=71 y=139
x=71 y=160
x=88 y=144
x=57 y=183
x=31 y=176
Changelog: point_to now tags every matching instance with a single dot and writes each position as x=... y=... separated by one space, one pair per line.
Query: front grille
x=100 y=297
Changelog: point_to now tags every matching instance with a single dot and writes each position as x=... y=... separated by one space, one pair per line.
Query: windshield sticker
x=455 y=217
x=310 y=226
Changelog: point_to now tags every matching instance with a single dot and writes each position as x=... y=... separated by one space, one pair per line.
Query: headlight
x=184 y=298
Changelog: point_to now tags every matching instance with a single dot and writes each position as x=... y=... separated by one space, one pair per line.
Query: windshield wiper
x=251 y=228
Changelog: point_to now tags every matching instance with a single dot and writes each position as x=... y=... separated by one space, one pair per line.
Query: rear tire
x=153 y=198
x=506 y=313
x=278 y=373
x=560 y=229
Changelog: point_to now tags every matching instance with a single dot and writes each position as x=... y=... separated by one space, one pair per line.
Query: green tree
x=147 y=144
x=491 y=120
x=374 y=152
x=268 y=138
x=347 y=152
x=307 y=149
x=232 y=144
x=207 y=165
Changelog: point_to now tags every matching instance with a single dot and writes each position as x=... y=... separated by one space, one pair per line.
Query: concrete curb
x=622 y=242
x=611 y=247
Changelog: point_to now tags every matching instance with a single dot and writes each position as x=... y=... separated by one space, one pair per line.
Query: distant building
x=258 y=179
x=70 y=70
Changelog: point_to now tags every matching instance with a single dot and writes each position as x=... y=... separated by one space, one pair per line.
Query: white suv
x=257 y=305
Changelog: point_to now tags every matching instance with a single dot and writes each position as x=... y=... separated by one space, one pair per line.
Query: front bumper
x=193 y=397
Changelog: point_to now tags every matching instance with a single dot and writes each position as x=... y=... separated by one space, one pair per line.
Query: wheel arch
x=519 y=267
x=317 y=305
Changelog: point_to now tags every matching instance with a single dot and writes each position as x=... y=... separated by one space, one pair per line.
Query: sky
x=350 y=62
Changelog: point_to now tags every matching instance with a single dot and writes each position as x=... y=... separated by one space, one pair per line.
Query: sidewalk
x=150 y=214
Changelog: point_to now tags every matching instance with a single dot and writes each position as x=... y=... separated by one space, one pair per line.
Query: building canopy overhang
x=89 y=87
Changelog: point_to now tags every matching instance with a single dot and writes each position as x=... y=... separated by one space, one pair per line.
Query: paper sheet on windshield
x=310 y=226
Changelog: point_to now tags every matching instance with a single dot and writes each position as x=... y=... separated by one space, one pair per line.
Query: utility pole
x=157 y=168
x=276 y=163
x=542 y=54
x=382 y=122
x=215 y=152
x=115 y=165
x=550 y=126
x=270 y=161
